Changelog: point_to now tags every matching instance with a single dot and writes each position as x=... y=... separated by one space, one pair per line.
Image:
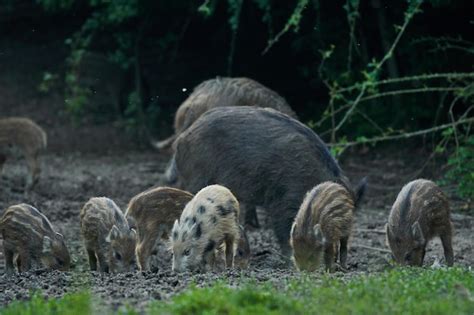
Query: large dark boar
x=420 y=212
x=222 y=92
x=28 y=137
x=264 y=157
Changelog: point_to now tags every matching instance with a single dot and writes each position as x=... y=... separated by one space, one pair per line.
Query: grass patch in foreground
x=70 y=304
x=400 y=291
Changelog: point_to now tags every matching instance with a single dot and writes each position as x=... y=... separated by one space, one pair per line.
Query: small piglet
x=323 y=224
x=209 y=220
x=29 y=138
x=108 y=239
x=420 y=212
x=29 y=240
x=153 y=213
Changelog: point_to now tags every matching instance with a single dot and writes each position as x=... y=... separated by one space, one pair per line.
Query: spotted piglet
x=208 y=221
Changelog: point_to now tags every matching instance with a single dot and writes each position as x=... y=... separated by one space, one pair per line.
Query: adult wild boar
x=221 y=92
x=264 y=157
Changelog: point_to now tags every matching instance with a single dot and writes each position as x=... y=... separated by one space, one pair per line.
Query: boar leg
x=343 y=252
x=9 y=267
x=103 y=266
x=3 y=158
x=229 y=252
x=329 y=254
x=92 y=259
x=23 y=263
x=143 y=252
x=446 y=240
x=251 y=218
x=33 y=165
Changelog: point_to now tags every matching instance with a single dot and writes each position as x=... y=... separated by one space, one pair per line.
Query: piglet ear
x=417 y=233
x=47 y=245
x=293 y=230
x=113 y=234
x=175 y=225
x=133 y=232
x=318 y=234
x=387 y=231
x=59 y=235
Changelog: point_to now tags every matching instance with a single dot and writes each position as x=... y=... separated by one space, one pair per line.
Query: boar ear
x=318 y=234
x=113 y=234
x=47 y=245
x=417 y=233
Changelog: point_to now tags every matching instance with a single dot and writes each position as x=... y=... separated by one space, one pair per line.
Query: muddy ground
x=69 y=179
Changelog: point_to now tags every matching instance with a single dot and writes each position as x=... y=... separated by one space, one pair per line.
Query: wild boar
x=209 y=220
x=153 y=213
x=264 y=157
x=29 y=138
x=108 y=239
x=222 y=92
x=420 y=212
x=29 y=240
x=322 y=225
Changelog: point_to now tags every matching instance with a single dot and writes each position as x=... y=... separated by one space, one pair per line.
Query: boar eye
x=118 y=256
x=240 y=252
x=60 y=262
x=186 y=252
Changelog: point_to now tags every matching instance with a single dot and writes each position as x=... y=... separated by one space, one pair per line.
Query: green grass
x=399 y=291
x=70 y=304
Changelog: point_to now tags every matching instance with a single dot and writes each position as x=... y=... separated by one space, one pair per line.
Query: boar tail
x=171 y=174
x=360 y=191
x=163 y=144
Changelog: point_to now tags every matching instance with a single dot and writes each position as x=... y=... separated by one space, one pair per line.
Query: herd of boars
x=237 y=145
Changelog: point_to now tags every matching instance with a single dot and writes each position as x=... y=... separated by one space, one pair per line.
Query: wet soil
x=68 y=180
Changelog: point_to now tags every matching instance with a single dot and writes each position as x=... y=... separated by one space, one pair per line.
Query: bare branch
x=405 y=135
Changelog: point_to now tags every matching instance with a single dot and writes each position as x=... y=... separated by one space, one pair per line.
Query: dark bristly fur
x=153 y=213
x=29 y=240
x=323 y=225
x=263 y=156
x=222 y=92
x=27 y=136
x=420 y=212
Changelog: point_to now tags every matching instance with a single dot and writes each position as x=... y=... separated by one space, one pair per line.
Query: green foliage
x=70 y=304
x=220 y=299
x=398 y=291
x=461 y=171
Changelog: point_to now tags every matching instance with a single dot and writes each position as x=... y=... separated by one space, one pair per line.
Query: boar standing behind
x=323 y=225
x=153 y=213
x=29 y=240
x=263 y=156
x=27 y=136
x=420 y=212
x=209 y=220
x=223 y=92
x=108 y=239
